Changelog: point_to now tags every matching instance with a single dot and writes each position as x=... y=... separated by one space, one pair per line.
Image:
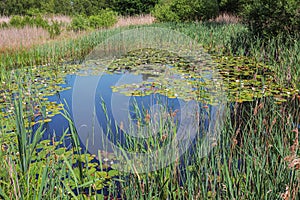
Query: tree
x=230 y=6
x=269 y=18
x=185 y=10
x=132 y=7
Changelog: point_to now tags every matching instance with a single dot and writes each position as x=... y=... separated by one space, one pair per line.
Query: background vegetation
x=263 y=17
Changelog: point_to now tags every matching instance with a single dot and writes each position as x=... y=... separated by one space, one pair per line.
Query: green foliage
x=54 y=29
x=79 y=23
x=164 y=13
x=19 y=22
x=67 y=7
x=4 y=25
x=33 y=12
x=133 y=7
x=185 y=10
x=106 y=18
x=230 y=6
x=268 y=18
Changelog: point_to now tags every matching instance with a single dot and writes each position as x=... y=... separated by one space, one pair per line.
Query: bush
x=16 y=21
x=106 y=18
x=54 y=29
x=79 y=23
x=270 y=18
x=19 y=22
x=185 y=10
x=164 y=13
x=39 y=21
x=4 y=25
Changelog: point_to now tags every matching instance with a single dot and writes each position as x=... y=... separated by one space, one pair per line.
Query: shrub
x=16 y=21
x=79 y=23
x=185 y=10
x=164 y=13
x=269 y=18
x=38 y=21
x=106 y=18
x=4 y=25
x=54 y=29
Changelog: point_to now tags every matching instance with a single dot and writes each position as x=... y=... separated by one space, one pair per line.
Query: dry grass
x=23 y=38
x=16 y=38
x=226 y=19
x=134 y=20
x=13 y=39
x=4 y=19
x=60 y=18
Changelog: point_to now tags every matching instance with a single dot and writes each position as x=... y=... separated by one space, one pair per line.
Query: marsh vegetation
x=255 y=156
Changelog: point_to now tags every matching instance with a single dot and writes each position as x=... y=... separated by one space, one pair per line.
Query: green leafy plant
x=184 y=10
x=106 y=18
x=54 y=29
x=16 y=21
x=79 y=23
x=133 y=7
x=269 y=18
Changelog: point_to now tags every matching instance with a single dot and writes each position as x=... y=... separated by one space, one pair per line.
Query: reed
x=134 y=20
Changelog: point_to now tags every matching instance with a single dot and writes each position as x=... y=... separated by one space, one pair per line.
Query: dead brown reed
x=226 y=19
x=60 y=18
x=16 y=38
x=134 y=20
x=13 y=39
x=4 y=19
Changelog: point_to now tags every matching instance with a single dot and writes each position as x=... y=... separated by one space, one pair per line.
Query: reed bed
x=13 y=39
x=134 y=20
x=60 y=19
x=227 y=19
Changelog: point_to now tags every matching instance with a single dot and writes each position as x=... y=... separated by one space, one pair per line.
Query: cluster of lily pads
x=34 y=85
x=207 y=80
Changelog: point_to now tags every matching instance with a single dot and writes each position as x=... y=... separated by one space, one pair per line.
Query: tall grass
x=13 y=39
x=134 y=20
x=32 y=168
x=247 y=162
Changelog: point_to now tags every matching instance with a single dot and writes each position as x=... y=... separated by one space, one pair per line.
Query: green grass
x=250 y=159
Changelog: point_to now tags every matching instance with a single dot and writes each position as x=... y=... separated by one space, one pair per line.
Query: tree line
x=74 y=7
x=262 y=16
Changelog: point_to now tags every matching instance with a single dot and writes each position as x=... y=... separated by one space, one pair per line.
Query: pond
x=113 y=106
x=144 y=94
